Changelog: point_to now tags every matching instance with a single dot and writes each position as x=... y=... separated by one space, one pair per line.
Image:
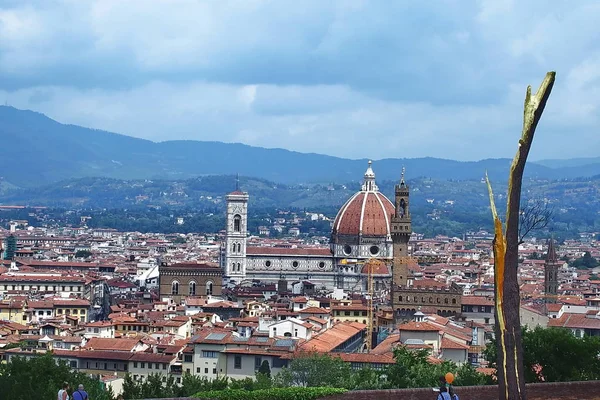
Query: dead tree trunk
x=511 y=377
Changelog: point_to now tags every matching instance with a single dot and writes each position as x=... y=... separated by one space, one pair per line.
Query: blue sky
x=355 y=79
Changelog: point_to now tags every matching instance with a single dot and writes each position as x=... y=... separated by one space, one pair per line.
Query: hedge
x=292 y=393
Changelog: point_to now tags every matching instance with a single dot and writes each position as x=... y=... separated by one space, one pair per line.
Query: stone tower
x=234 y=252
x=401 y=231
x=551 y=273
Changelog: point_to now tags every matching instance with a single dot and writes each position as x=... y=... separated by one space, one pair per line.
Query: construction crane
x=372 y=265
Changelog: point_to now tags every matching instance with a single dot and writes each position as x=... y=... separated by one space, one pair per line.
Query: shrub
x=292 y=393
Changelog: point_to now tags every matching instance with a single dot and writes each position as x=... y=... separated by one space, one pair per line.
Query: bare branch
x=534 y=216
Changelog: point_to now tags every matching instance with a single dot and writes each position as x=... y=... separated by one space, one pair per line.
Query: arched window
x=209 y=288
x=431 y=300
x=175 y=287
x=192 y=288
x=239 y=267
x=239 y=247
x=400 y=298
x=446 y=300
x=453 y=301
x=237 y=223
x=233 y=247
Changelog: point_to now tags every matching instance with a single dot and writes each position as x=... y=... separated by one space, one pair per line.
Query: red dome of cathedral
x=368 y=212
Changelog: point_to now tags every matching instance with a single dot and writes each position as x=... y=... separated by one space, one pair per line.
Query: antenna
x=237 y=181
x=402 y=176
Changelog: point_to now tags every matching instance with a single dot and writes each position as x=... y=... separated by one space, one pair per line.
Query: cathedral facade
x=361 y=230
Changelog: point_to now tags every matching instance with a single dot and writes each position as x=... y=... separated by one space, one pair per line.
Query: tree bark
x=510 y=373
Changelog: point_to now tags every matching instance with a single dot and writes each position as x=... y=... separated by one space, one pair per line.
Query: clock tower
x=233 y=255
x=401 y=232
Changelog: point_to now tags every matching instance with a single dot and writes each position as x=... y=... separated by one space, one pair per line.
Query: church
x=368 y=226
x=361 y=230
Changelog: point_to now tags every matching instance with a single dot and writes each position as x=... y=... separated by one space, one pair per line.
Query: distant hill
x=38 y=150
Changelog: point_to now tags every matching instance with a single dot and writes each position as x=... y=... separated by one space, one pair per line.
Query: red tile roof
x=284 y=251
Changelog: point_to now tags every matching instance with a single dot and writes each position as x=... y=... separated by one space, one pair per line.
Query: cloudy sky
x=349 y=78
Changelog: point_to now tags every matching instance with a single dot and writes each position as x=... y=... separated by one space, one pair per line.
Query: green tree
x=83 y=254
x=313 y=369
x=556 y=355
x=41 y=377
x=265 y=369
x=587 y=261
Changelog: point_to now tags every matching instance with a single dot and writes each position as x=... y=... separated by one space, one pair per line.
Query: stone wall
x=589 y=390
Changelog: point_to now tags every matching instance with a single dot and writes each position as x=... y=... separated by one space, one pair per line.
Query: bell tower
x=234 y=252
x=551 y=273
x=401 y=230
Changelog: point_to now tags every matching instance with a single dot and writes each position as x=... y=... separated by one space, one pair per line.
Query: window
x=192 y=287
x=175 y=287
x=135 y=364
x=105 y=365
x=197 y=370
x=237 y=223
x=257 y=362
x=214 y=371
x=164 y=366
x=374 y=250
x=267 y=263
x=209 y=286
x=347 y=250
x=453 y=301
x=73 y=364
x=187 y=358
x=279 y=363
x=446 y=301
x=206 y=370
x=321 y=265
x=237 y=362
x=143 y=365
x=347 y=313
x=209 y=354
x=156 y=365
x=295 y=264
x=149 y=365
x=239 y=247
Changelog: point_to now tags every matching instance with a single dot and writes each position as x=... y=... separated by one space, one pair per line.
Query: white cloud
x=348 y=78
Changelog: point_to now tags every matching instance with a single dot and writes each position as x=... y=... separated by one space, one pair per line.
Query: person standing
x=62 y=393
x=80 y=393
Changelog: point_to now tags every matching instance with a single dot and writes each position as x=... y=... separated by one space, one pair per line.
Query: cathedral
x=361 y=230
x=368 y=226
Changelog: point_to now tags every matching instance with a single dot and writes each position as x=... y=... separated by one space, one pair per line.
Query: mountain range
x=38 y=151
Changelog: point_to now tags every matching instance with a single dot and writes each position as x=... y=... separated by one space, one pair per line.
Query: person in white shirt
x=62 y=393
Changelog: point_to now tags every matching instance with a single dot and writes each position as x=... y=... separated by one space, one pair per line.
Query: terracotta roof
x=314 y=310
x=366 y=213
x=477 y=301
x=575 y=321
x=388 y=344
x=111 y=344
x=298 y=251
x=452 y=345
x=199 y=266
x=41 y=278
x=413 y=326
x=332 y=337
